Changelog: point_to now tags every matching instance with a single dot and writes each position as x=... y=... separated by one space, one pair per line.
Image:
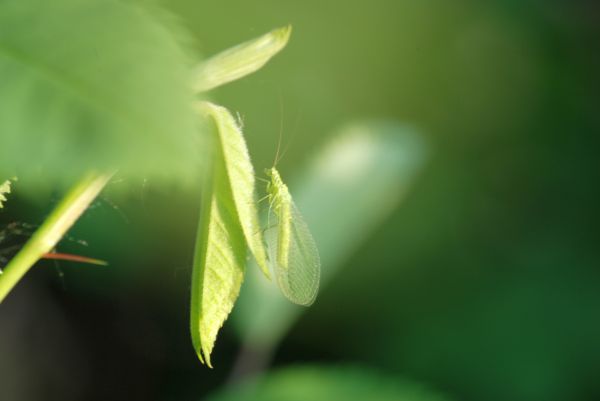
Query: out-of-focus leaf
x=4 y=190
x=239 y=61
x=349 y=188
x=53 y=229
x=318 y=383
x=92 y=84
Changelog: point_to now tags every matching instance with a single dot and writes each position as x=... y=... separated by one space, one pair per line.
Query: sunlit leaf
x=239 y=175
x=239 y=61
x=92 y=84
x=219 y=262
x=228 y=227
x=4 y=190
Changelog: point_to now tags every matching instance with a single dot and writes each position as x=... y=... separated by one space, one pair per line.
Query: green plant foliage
x=293 y=254
x=4 y=190
x=316 y=383
x=241 y=60
x=227 y=226
x=239 y=176
x=55 y=226
x=219 y=262
x=229 y=221
x=92 y=84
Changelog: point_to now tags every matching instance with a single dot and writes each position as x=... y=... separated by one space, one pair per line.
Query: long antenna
x=293 y=135
x=276 y=160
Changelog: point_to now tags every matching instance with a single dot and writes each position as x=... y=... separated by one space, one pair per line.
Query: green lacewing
x=293 y=254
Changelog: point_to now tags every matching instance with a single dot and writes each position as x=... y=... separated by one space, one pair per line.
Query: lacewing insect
x=293 y=254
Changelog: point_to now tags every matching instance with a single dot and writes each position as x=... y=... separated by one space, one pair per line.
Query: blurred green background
x=483 y=283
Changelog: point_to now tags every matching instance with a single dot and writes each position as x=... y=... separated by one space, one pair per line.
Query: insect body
x=293 y=255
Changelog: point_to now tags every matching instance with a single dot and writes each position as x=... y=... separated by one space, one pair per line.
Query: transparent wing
x=299 y=281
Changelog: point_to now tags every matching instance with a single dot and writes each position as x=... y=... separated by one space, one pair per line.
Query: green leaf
x=92 y=84
x=320 y=383
x=239 y=175
x=219 y=262
x=228 y=225
x=4 y=190
x=239 y=61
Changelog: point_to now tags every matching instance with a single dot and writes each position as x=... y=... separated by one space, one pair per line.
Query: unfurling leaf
x=228 y=226
x=239 y=61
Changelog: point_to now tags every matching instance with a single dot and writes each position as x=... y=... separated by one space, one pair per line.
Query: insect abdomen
x=282 y=201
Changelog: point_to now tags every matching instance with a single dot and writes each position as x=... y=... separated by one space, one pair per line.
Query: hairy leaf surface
x=219 y=261
x=228 y=227
x=239 y=175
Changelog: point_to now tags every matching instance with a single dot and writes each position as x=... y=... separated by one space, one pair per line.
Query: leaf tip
x=282 y=35
x=206 y=358
x=208 y=363
x=240 y=61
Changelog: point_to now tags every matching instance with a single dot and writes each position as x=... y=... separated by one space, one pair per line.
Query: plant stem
x=71 y=207
x=252 y=360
